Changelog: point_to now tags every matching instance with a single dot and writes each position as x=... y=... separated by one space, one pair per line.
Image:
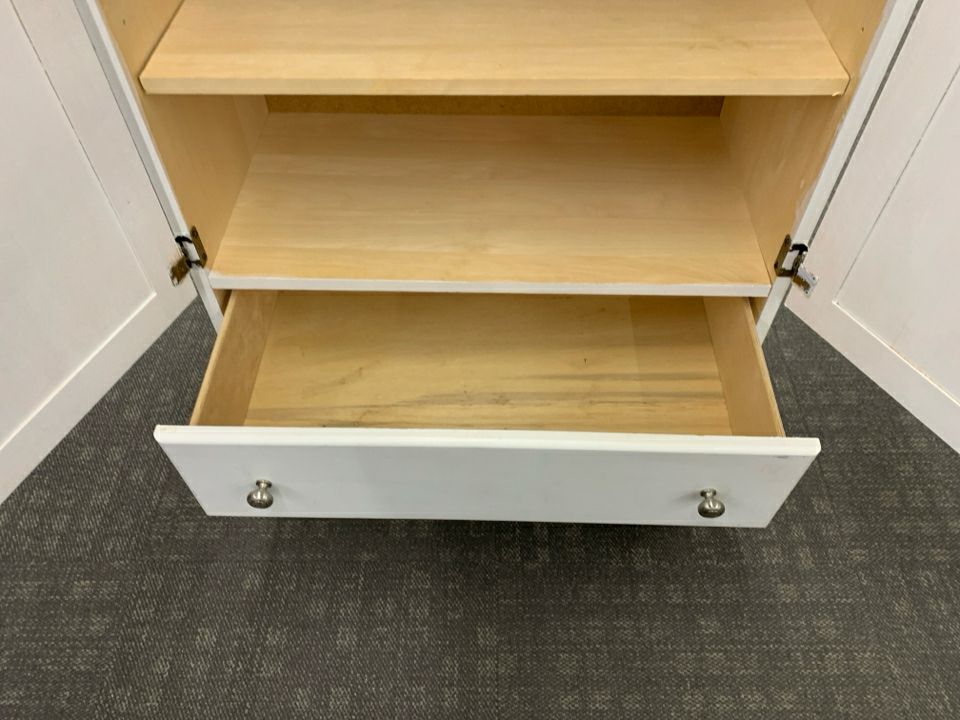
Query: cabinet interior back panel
x=492 y=204
x=506 y=47
x=623 y=105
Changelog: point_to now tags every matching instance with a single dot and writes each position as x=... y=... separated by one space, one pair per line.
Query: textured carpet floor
x=119 y=598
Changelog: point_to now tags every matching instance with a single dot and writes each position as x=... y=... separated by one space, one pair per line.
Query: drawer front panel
x=488 y=475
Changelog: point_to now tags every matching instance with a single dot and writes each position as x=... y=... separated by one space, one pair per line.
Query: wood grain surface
x=490 y=361
x=751 y=403
x=205 y=142
x=495 y=47
x=232 y=371
x=492 y=201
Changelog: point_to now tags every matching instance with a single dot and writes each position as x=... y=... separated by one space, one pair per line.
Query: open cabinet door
x=86 y=246
x=887 y=249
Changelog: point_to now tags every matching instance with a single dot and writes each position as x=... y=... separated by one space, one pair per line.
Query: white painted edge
x=876 y=66
x=78 y=393
x=510 y=439
x=257 y=282
x=120 y=82
x=129 y=104
x=775 y=300
x=933 y=405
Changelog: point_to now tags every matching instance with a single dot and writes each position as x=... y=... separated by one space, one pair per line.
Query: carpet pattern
x=119 y=598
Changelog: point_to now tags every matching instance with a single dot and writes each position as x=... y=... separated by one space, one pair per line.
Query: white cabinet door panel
x=84 y=290
x=888 y=248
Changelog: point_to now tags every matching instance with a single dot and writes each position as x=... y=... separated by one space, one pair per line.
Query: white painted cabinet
x=888 y=248
x=489 y=407
x=85 y=245
x=465 y=286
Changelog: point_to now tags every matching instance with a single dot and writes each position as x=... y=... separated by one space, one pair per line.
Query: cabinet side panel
x=206 y=142
x=780 y=144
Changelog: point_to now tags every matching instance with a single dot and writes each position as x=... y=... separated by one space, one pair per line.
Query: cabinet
x=499 y=260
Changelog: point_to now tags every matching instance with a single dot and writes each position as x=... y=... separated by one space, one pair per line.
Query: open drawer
x=489 y=407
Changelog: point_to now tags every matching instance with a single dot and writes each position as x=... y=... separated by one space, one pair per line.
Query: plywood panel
x=505 y=204
x=205 y=142
x=490 y=361
x=506 y=47
x=232 y=370
x=743 y=369
x=780 y=144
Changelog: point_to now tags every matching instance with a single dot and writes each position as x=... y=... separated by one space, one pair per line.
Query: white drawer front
x=488 y=475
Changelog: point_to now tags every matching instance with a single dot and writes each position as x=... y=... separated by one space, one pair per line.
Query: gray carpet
x=119 y=598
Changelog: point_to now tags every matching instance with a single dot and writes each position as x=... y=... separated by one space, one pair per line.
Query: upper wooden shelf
x=589 y=205
x=495 y=47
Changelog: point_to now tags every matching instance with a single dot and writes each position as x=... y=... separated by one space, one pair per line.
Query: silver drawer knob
x=710 y=506
x=261 y=498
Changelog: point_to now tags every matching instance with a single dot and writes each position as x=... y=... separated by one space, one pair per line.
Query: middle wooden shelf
x=513 y=204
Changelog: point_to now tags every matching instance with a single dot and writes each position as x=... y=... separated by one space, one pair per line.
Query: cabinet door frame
x=893 y=29
x=90 y=203
x=923 y=82
x=121 y=84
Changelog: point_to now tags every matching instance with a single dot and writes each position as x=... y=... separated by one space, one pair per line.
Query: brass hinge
x=192 y=254
x=800 y=276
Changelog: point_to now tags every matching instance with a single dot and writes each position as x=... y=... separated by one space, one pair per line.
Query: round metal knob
x=261 y=498
x=710 y=506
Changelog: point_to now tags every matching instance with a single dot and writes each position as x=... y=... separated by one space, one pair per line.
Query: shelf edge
x=257 y=282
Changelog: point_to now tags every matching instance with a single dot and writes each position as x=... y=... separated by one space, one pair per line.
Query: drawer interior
x=678 y=365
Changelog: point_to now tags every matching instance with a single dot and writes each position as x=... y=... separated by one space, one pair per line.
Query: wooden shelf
x=489 y=361
x=495 y=47
x=631 y=206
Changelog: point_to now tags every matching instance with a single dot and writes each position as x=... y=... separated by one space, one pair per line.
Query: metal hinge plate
x=792 y=267
x=192 y=254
